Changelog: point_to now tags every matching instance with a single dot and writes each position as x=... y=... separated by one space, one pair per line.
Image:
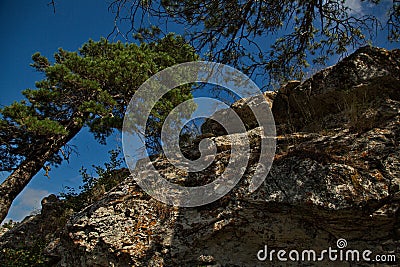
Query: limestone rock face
x=241 y=107
x=358 y=84
x=335 y=175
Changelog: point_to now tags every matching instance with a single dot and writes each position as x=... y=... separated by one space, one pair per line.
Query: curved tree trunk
x=19 y=179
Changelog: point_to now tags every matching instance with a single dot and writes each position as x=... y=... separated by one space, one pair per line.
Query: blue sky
x=29 y=26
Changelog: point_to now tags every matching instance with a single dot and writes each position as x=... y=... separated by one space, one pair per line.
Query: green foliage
x=93 y=187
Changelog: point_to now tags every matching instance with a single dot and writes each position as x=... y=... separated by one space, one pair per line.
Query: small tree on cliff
x=92 y=89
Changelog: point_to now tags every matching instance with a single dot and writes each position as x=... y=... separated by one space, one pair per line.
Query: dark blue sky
x=29 y=26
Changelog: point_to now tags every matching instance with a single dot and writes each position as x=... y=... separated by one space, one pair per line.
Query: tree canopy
x=90 y=88
x=235 y=31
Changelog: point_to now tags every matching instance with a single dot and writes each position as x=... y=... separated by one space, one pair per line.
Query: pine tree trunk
x=19 y=179
x=16 y=182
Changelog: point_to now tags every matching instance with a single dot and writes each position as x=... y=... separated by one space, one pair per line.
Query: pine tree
x=89 y=88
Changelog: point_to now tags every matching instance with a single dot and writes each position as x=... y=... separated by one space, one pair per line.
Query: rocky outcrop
x=241 y=107
x=347 y=92
x=335 y=175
